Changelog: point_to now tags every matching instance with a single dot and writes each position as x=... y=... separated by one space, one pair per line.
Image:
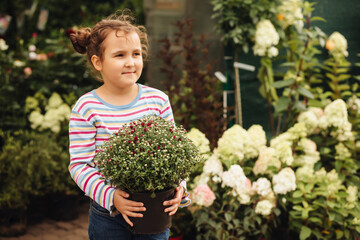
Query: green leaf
x=339 y=234
x=284 y=83
x=305 y=232
x=305 y=92
x=297 y=194
x=282 y=104
x=316 y=18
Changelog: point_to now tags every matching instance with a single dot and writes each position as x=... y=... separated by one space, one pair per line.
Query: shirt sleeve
x=82 y=169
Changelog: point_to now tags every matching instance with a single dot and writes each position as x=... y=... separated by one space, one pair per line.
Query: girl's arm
x=82 y=169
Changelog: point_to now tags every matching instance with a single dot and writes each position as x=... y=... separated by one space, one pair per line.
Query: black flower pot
x=154 y=219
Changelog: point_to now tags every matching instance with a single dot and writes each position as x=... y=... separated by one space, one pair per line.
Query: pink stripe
x=88 y=179
x=105 y=196
x=122 y=115
x=77 y=119
x=101 y=139
x=92 y=132
x=150 y=97
x=74 y=165
x=88 y=145
x=87 y=102
x=82 y=170
x=80 y=158
x=96 y=188
x=166 y=109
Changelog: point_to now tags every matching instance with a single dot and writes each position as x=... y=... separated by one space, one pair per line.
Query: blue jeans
x=102 y=226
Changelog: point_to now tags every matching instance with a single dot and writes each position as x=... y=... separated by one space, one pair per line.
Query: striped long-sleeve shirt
x=92 y=122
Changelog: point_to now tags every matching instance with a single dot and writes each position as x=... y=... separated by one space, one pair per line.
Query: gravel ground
x=57 y=230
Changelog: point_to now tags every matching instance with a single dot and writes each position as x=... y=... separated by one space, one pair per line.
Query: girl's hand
x=175 y=202
x=126 y=207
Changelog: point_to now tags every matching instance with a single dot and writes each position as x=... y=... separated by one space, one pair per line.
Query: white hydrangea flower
x=18 y=63
x=290 y=13
x=336 y=113
x=234 y=177
x=310 y=155
x=64 y=112
x=213 y=166
x=284 y=181
x=36 y=119
x=283 y=152
x=342 y=151
x=257 y=141
x=200 y=140
x=32 y=48
x=337 y=45
x=311 y=121
x=51 y=121
x=352 y=192
x=266 y=37
x=262 y=186
x=263 y=207
x=297 y=131
x=266 y=160
x=304 y=173
x=54 y=101
x=231 y=144
x=3 y=45
x=354 y=103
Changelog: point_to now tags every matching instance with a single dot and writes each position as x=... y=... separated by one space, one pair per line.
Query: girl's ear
x=96 y=61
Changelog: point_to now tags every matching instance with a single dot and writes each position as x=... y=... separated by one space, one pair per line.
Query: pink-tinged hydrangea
x=203 y=196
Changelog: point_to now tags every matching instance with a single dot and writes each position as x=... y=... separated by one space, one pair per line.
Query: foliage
x=237 y=19
x=194 y=92
x=25 y=15
x=35 y=164
x=147 y=155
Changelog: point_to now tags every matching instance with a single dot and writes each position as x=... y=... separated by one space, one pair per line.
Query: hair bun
x=80 y=39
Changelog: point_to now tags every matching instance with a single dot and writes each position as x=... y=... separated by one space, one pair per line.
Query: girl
x=116 y=49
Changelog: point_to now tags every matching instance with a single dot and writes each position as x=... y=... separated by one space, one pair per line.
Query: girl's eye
x=137 y=54
x=120 y=55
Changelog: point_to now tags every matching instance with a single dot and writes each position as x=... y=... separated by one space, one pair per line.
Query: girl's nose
x=129 y=62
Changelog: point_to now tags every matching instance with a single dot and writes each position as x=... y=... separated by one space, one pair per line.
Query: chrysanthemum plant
x=147 y=155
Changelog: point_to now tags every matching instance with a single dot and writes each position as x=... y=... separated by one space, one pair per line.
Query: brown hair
x=89 y=41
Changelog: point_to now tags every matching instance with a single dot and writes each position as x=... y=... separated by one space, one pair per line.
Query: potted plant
x=148 y=158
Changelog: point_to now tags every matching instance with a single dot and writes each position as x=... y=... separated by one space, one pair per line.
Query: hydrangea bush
x=147 y=155
x=303 y=183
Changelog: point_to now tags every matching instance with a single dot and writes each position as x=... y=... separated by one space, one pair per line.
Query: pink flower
x=27 y=71
x=41 y=57
x=203 y=196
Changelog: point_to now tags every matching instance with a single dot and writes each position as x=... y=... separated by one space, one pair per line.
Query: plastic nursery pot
x=154 y=219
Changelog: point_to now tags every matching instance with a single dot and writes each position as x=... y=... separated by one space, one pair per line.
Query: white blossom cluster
x=354 y=104
x=306 y=160
x=199 y=140
x=266 y=39
x=333 y=118
x=290 y=14
x=337 y=45
x=311 y=119
x=3 y=45
x=56 y=112
x=237 y=144
x=336 y=116
x=330 y=180
x=231 y=144
x=284 y=181
x=265 y=160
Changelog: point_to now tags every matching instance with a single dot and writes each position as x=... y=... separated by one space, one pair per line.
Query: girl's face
x=122 y=61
